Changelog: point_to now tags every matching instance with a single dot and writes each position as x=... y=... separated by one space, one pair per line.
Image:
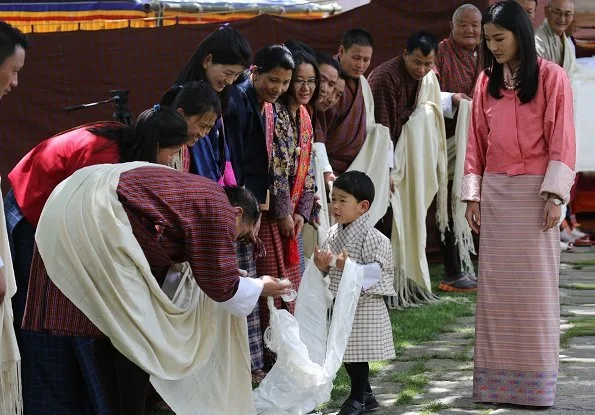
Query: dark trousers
x=358 y=373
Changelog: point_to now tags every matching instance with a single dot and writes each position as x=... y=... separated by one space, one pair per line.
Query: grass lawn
x=413 y=326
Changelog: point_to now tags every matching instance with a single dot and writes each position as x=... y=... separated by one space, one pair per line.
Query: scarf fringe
x=11 y=393
x=463 y=235
x=409 y=294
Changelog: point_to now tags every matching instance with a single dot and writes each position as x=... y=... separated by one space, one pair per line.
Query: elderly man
x=550 y=38
x=530 y=7
x=457 y=68
x=13 y=44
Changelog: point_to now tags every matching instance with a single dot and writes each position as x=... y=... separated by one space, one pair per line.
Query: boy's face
x=346 y=208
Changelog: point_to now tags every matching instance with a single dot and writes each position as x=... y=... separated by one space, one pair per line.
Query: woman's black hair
x=509 y=15
x=195 y=98
x=226 y=45
x=300 y=56
x=158 y=127
x=271 y=57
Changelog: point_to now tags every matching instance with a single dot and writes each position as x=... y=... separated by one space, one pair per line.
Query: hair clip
x=156 y=108
x=223 y=26
x=253 y=68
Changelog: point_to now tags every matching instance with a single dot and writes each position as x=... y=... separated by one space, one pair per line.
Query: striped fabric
x=273 y=264
x=246 y=262
x=343 y=127
x=518 y=311
x=395 y=94
x=171 y=227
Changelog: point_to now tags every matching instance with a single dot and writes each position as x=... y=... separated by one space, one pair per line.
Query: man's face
x=9 y=70
x=466 y=30
x=333 y=98
x=328 y=79
x=529 y=6
x=559 y=15
x=418 y=65
x=355 y=60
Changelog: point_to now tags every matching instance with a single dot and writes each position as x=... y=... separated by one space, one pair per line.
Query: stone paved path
x=450 y=359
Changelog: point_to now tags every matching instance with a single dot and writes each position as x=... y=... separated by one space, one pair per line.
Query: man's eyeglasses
x=301 y=82
x=561 y=13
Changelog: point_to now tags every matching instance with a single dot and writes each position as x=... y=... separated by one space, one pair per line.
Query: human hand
x=551 y=215
x=286 y=227
x=329 y=176
x=322 y=259
x=341 y=259
x=273 y=287
x=457 y=98
x=298 y=224
x=473 y=216
x=243 y=272
x=391 y=185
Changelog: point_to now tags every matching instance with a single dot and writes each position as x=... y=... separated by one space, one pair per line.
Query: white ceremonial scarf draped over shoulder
x=369 y=160
x=461 y=229
x=420 y=173
x=11 y=398
x=552 y=47
x=195 y=351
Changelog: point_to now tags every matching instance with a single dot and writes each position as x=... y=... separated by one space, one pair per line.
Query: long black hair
x=158 y=127
x=300 y=56
x=196 y=98
x=509 y=15
x=271 y=57
x=226 y=45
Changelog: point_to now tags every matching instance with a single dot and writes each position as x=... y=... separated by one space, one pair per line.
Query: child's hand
x=322 y=259
x=341 y=258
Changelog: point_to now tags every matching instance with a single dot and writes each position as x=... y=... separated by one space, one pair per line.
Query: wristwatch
x=555 y=201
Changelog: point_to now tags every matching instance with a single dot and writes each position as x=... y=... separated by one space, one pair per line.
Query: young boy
x=355 y=237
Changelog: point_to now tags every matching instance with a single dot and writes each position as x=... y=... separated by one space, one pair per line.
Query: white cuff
x=1 y=262
x=323 y=163
x=447 y=108
x=372 y=275
x=245 y=298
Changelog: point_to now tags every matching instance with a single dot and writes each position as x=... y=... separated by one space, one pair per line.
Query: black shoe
x=370 y=401
x=352 y=407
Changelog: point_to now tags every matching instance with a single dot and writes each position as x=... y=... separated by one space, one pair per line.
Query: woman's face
x=272 y=84
x=219 y=75
x=164 y=155
x=199 y=126
x=501 y=42
x=304 y=84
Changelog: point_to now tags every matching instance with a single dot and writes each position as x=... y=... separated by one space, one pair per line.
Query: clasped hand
x=323 y=259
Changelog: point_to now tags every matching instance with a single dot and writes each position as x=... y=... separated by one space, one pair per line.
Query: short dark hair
x=243 y=198
x=357 y=184
x=326 y=59
x=509 y=15
x=357 y=37
x=424 y=41
x=301 y=57
x=10 y=38
x=197 y=98
x=271 y=57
